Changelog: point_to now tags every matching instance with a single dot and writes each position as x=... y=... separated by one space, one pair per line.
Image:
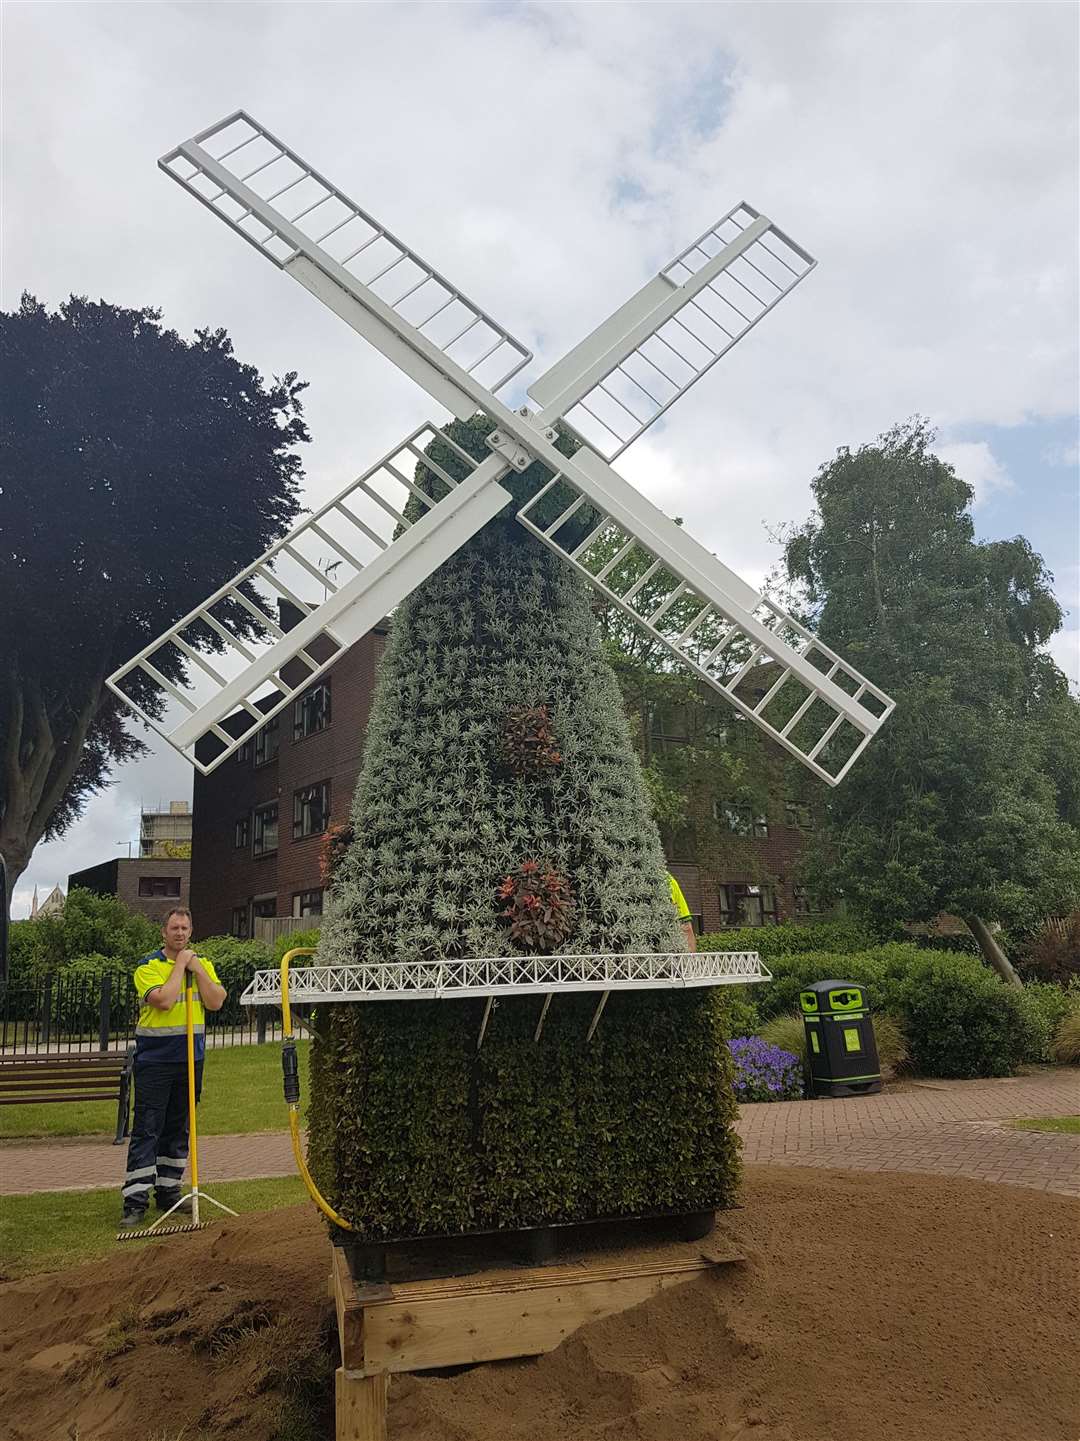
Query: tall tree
x=138 y=472
x=963 y=801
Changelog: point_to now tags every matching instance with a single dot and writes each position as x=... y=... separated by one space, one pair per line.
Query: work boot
x=132 y=1217
x=165 y=1200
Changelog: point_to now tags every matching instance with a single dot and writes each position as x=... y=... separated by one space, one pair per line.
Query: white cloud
x=976 y=463
x=926 y=154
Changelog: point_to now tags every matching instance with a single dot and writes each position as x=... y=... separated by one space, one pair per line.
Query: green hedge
x=959 y=1018
x=413 y=1131
x=840 y=937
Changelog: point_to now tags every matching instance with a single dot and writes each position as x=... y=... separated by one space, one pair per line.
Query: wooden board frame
x=454 y=1321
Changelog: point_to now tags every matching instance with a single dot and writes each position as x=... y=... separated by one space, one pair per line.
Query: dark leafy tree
x=138 y=472
x=967 y=800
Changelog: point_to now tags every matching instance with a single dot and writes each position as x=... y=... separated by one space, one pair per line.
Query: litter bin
x=841 y=1052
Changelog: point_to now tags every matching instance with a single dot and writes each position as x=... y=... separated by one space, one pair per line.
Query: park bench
x=103 y=1076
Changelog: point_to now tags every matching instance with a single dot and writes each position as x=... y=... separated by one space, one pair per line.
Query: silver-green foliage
x=439 y=821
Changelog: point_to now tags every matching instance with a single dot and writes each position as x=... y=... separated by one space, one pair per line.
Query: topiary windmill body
x=502 y=846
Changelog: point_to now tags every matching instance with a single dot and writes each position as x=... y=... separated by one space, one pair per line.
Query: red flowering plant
x=528 y=744
x=539 y=907
x=336 y=843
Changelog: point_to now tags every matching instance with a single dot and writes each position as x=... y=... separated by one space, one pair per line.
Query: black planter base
x=425 y=1258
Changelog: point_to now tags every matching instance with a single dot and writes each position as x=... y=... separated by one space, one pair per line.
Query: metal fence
x=68 y=1014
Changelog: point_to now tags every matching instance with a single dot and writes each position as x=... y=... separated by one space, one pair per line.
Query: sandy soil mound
x=871 y=1308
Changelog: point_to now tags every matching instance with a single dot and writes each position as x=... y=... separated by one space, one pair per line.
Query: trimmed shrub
x=961 y=1019
x=1065 y=1047
x=413 y=1131
x=1044 y=1007
x=764 y=1072
x=739 y=1010
x=839 y=938
x=515 y=1131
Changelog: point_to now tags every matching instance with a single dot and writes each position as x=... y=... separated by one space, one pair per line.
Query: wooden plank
x=425 y=1324
x=350 y=1314
x=360 y=1406
x=54 y=1095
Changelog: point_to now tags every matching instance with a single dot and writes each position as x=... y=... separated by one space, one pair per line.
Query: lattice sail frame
x=624 y=376
x=274 y=669
x=704 y=300
x=505 y=976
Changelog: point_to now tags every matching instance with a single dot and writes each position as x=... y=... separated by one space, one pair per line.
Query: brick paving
x=945 y=1128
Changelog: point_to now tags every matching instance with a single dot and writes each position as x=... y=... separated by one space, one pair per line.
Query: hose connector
x=290 y=1073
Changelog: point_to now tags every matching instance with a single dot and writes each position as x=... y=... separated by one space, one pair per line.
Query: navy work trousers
x=158 y=1151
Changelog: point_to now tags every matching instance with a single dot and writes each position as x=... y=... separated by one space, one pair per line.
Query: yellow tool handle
x=189 y=1017
x=292 y=1090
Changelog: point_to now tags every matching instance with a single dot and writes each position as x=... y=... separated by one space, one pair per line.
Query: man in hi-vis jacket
x=158 y=1150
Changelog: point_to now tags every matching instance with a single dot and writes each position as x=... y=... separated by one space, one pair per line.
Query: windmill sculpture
x=603 y=395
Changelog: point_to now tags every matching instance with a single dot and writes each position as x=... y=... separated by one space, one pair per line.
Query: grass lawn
x=241 y=1092
x=1070 y=1125
x=60 y=1228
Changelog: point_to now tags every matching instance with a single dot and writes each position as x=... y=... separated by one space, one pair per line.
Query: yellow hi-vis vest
x=162 y=1035
x=678 y=900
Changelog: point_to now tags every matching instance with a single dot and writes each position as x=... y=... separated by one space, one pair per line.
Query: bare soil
x=870 y=1308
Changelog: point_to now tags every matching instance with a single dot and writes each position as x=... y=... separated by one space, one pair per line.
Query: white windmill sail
x=633 y=367
x=306 y=226
x=655 y=346
x=344 y=555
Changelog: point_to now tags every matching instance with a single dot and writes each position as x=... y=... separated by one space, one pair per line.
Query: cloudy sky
x=549 y=158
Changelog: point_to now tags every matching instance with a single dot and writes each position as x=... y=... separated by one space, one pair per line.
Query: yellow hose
x=294 y=1104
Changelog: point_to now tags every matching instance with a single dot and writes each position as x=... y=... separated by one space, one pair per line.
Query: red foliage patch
x=540 y=907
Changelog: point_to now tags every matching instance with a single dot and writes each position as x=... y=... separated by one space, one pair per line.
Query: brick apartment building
x=145 y=885
x=261 y=816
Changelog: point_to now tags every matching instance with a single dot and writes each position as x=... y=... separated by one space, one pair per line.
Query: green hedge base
x=415 y=1133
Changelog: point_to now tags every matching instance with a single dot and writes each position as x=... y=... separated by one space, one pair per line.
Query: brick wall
x=121 y=878
x=225 y=876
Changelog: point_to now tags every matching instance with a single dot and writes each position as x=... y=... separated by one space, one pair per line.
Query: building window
x=242 y=833
x=741 y=819
x=307 y=903
x=160 y=886
x=805 y=904
x=747 y=905
x=240 y=922
x=243 y=752
x=264 y=907
x=266 y=827
x=797 y=816
x=311 y=810
x=267 y=742
x=311 y=713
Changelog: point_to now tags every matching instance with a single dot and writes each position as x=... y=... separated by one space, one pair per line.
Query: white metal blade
x=620 y=379
x=762 y=662
x=310 y=229
x=505 y=976
x=338 y=573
